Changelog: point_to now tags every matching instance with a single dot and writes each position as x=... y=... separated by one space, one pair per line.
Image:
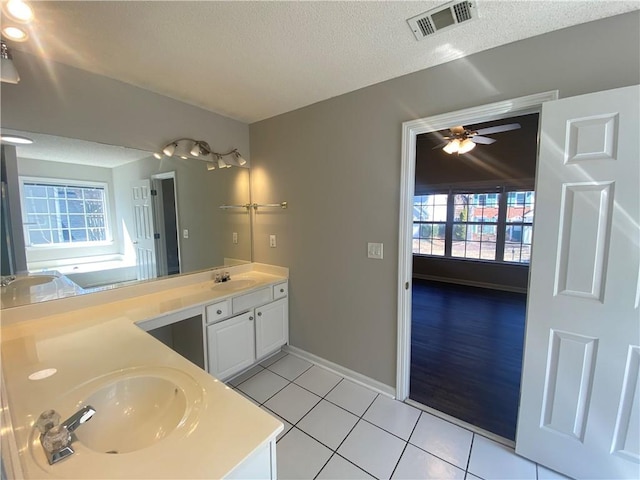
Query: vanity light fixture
x=200 y=150
x=8 y=71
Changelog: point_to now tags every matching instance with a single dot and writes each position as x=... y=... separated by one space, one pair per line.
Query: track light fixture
x=8 y=71
x=200 y=150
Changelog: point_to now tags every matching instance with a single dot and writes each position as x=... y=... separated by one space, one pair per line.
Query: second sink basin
x=235 y=284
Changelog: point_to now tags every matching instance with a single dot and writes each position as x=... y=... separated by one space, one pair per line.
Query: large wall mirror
x=105 y=216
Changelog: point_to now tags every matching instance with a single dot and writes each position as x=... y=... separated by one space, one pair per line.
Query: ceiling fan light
x=221 y=162
x=466 y=146
x=452 y=147
x=210 y=166
x=158 y=155
x=170 y=149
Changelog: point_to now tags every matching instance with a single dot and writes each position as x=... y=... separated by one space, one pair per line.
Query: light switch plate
x=235 y=237
x=272 y=241
x=374 y=250
x=185 y=233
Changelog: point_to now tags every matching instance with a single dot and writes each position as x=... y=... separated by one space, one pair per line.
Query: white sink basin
x=30 y=281
x=136 y=408
x=132 y=413
x=235 y=284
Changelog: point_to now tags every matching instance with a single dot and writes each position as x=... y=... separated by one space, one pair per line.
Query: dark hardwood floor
x=466 y=353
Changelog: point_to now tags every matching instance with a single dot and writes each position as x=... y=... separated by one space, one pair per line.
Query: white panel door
x=144 y=241
x=580 y=406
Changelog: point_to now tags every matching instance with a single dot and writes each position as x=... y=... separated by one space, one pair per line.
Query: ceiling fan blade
x=483 y=140
x=497 y=129
x=440 y=145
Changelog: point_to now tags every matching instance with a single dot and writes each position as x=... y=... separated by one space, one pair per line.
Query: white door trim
x=410 y=130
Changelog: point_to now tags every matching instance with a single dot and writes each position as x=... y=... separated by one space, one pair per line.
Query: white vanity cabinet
x=246 y=328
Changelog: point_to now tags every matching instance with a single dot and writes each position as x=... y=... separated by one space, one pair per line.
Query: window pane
x=64 y=213
x=488 y=251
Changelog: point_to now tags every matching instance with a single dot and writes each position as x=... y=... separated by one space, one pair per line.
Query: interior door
x=580 y=404
x=144 y=241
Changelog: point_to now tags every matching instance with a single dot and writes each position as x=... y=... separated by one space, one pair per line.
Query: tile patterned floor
x=337 y=429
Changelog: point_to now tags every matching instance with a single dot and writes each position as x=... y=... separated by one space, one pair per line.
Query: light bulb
x=466 y=146
x=221 y=162
x=14 y=33
x=170 y=149
x=452 y=146
x=210 y=166
x=19 y=11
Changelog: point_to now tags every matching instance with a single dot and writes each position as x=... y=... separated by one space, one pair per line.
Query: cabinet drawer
x=250 y=300
x=281 y=290
x=217 y=311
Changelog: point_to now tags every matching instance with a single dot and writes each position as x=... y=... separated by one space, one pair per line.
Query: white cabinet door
x=580 y=405
x=272 y=327
x=231 y=345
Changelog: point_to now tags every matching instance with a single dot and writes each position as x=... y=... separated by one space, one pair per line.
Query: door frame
x=410 y=130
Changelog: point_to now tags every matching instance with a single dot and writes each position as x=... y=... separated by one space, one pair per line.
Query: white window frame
x=66 y=182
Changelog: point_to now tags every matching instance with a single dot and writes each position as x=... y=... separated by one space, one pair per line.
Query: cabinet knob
x=282 y=290
x=259 y=314
x=250 y=318
x=219 y=312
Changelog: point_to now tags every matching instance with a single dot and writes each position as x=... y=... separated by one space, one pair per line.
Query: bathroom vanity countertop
x=86 y=344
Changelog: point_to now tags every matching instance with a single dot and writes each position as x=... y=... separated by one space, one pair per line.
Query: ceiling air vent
x=440 y=18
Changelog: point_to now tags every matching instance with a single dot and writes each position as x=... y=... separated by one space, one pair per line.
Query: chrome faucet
x=4 y=281
x=222 y=277
x=56 y=439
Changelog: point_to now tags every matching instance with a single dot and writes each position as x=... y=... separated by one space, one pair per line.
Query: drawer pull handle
x=219 y=312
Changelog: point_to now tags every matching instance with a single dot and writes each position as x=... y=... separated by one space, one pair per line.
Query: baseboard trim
x=354 y=376
x=470 y=283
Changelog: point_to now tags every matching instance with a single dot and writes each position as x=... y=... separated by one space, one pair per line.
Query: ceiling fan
x=462 y=140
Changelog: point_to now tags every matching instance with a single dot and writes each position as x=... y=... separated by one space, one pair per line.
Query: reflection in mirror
x=98 y=216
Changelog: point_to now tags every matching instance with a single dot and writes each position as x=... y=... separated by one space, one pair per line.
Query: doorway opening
x=166 y=223
x=464 y=266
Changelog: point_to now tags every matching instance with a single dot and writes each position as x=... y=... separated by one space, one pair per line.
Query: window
x=519 y=226
x=491 y=226
x=59 y=213
x=474 y=226
x=429 y=224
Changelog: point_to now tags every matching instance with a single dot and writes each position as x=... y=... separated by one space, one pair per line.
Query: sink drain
x=112 y=451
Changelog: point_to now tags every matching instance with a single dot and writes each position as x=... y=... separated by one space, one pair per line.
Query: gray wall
x=60 y=100
x=337 y=163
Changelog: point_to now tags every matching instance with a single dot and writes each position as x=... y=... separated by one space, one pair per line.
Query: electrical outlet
x=374 y=250
x=185 y=233
x=235 y=237
x=272 y=241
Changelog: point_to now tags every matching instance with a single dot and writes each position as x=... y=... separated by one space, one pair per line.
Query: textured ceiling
x=254 y=60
